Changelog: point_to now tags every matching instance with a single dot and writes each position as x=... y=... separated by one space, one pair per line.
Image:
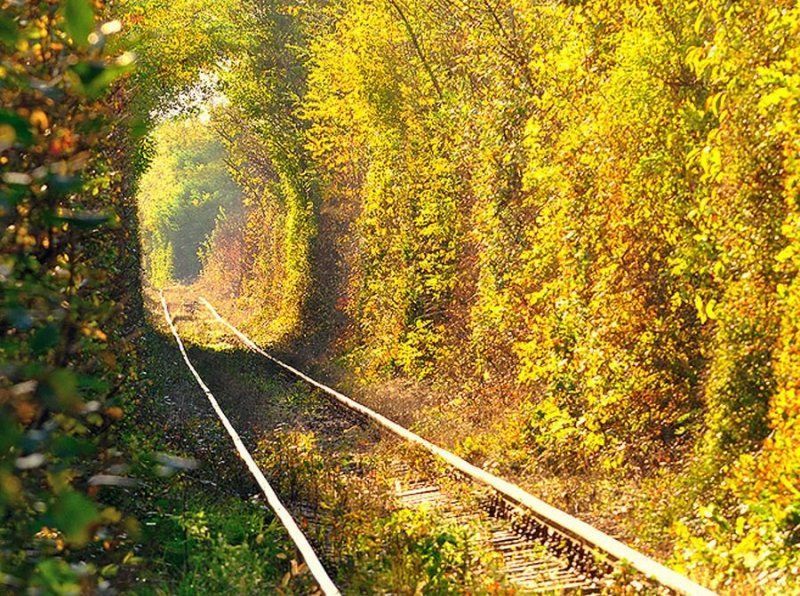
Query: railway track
x=543 y=549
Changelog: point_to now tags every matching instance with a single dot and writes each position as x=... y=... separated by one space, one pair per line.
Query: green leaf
x=9 y=434
x=9 y=31
x=79 y=20
x=73 y=515
x=67 y=446
x=91 y=383
x=59 y=390
x=55 y=576
x=44 y=339
x=20 y=126
x=95 y=76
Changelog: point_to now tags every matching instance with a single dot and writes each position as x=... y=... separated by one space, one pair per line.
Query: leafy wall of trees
x=264 y=134
x=73 y=143
x=599 y=200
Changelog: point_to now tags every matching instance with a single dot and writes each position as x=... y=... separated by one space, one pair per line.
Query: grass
x=413 y=551
x=217 y=546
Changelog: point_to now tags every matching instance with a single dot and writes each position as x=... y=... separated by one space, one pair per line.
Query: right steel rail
x=552 y=516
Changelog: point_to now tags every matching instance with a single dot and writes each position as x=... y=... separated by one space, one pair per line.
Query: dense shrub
x=68 y=299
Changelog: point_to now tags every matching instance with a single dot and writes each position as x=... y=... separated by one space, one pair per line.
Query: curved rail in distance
x=552 y=516
x=297 y=536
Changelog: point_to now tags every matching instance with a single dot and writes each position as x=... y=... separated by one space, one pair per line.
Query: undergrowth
x=377 y=547
x=215 y=545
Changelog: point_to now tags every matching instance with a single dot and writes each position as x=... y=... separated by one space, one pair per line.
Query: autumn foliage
x=590 y=206
x=585 y=213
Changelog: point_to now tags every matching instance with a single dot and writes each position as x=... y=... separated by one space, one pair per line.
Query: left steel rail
x=306 y=551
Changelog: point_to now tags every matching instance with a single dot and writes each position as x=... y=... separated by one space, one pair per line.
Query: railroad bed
x=543 y=549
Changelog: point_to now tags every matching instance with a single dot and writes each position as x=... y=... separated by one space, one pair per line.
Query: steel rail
x=297 y=536
x=550 y=515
